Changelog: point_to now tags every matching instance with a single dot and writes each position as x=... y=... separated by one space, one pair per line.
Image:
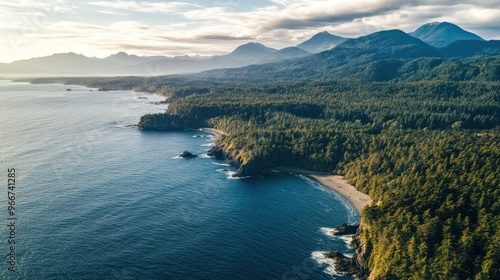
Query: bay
x=98 y=199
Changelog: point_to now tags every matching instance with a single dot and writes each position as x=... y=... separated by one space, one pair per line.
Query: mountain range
x=322 y=54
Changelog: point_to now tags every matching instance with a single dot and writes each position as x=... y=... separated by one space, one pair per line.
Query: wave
x=204 y=156
x=208 y=144
x=230 y=174
x=328 y=231
x=322 y=261
x=347 y=239
x=221 y=164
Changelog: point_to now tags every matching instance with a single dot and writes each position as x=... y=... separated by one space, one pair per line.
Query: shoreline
x=215 y=131
x=335 y=182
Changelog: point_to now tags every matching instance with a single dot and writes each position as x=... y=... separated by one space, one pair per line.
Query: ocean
x=96 y=198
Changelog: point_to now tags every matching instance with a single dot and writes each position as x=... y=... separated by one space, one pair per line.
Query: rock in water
x=216 y=152
x=187 y=154
x=345 y=229
x=343 y=265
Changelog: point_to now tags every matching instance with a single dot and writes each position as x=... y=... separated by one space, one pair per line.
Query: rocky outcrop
x=247 y=170
x=187 y=154
x=343 y=265
x=355 y=265
x=217 y=152
x=360 y=256
x=345 y=229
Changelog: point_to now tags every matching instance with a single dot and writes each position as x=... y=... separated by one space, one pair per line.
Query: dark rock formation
x=355 y=265
x=187 y=154
x=343 y=265
x=345 y=229
x=216 y=152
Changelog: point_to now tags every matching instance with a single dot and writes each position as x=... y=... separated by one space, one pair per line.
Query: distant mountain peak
x=120 y=54
x=250 y=46
x=441 y=34
x=287 y=53
x=386 y=44
x=252 y=51
x=381 y=39
x=321 y=42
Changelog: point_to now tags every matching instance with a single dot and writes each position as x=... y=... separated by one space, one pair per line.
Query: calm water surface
x=96 y=199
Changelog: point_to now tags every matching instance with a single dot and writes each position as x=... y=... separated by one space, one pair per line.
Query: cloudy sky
x=194 y=27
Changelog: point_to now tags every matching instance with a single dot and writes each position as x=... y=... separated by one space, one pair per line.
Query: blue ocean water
x=97 y=199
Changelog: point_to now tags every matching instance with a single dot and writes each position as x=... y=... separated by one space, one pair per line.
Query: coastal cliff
x=246 y=167
x=356 y=265
x=167 y=121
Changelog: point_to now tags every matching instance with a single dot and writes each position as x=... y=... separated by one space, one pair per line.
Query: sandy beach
x=336 y=183
x=218 y=132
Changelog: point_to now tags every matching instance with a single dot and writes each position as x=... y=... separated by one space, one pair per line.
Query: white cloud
x=38 y=29
x=113 y=13
x=29 y=8
x=145 y=7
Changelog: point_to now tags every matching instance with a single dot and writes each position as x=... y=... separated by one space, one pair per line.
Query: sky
x=194 y=27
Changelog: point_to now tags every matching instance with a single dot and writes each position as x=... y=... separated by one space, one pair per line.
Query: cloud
x=145 y=7
x=217 y=27
x=224 y=38
x=30 y=8
x=113 y=13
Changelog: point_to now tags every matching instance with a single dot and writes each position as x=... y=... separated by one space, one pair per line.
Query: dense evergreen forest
x=428 y=153
x=421 y=137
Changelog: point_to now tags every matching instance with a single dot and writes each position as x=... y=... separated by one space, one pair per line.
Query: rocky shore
x=356 y=265
x=343 y=264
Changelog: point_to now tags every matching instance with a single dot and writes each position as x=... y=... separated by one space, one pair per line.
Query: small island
x=187 y=154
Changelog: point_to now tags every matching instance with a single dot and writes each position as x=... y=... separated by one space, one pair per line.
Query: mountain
x=287 y=53
x=381 y=56
x=61 y=63
x=122 y=63
x=321 y=42
x=126 y=59
x=340 y=61
x=251 y=52
x=468 y=48
x=385 y=44
x=441 y=34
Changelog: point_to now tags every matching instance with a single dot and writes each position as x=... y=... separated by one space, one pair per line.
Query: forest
x=427 y=153
x=420 y=136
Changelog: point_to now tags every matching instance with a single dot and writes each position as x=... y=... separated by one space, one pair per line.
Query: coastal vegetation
x=415 y=127
x=427 y=153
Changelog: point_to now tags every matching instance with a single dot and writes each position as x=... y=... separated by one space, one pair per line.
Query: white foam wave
x=328 y=231
x=205 y=156
x=208 y=144
x=346 y=238
x=322 y=261
x=177 y=157
x=230 y=175
x=221 y=164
